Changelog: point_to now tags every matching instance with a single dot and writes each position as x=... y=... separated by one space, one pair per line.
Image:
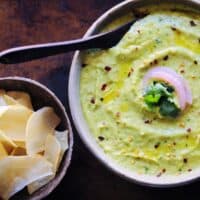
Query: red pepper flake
x=189 y=170
x=101 y=138
x=84 y=65
x=192 y=23
x=107 y=68
x=130 y=72
x=118 y=114
x=185 y=160
x=155 y=62
x=103 y=87
x=157 y=145
x=140 y=14
x=189 y=130
x=147 y=121
x=166 y=57
x=173 y=28
x=173 y=9
x=182 y=71
x=92 y=100
x=182 y=125
x=195 y=62
x=162 y=172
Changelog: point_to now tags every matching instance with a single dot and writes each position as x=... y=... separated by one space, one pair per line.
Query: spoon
x=31 y=52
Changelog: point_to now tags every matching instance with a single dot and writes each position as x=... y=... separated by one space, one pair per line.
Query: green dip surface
x=113 y=103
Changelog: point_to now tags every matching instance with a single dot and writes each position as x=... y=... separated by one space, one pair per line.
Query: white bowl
x=77 y=114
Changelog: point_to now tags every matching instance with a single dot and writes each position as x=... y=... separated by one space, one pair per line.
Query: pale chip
x=18 y=171
x=62 y=137
x=52 y=151
x=2 y=101
x=40 y=124
x=22 y=98
x=13 y=120
x=9 y=100
x=55 y=147
x=39 y=183
x=7 y=142
x=3 y=109
x=3 y=152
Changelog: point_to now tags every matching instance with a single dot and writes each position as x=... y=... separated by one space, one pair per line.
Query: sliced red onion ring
x=172 y=78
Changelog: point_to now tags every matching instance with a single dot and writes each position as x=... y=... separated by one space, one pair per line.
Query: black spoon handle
x=31 y=52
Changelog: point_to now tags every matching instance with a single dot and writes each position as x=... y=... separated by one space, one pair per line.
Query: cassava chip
x=22 y=98
x=7 y=142
x=18 y=171
x=39 y=183
x=9 y=100
x=13 y=120
x=3 y=109
x=2 y=101
x=55 y=147
x=62 y=137
x=3 y=152
x=40 y=124
x=52 y=151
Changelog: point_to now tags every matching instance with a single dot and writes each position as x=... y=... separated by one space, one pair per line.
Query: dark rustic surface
x=35 y=21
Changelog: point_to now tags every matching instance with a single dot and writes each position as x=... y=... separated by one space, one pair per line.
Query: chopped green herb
x=152 y=98
x=146 y=169
x=180 y=169
x=170 y=88
x=168 y=108
x=160 y=95
x=154 y=93
x=158 y=41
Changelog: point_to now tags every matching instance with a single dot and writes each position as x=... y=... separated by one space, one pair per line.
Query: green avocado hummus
x=113 y=103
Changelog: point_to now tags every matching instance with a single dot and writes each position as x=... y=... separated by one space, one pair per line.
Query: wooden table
x=34 y=21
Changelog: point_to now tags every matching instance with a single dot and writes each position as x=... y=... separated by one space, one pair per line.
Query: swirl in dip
x=152 y=127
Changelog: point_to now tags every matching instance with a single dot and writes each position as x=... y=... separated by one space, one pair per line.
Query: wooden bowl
x=41 y=96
